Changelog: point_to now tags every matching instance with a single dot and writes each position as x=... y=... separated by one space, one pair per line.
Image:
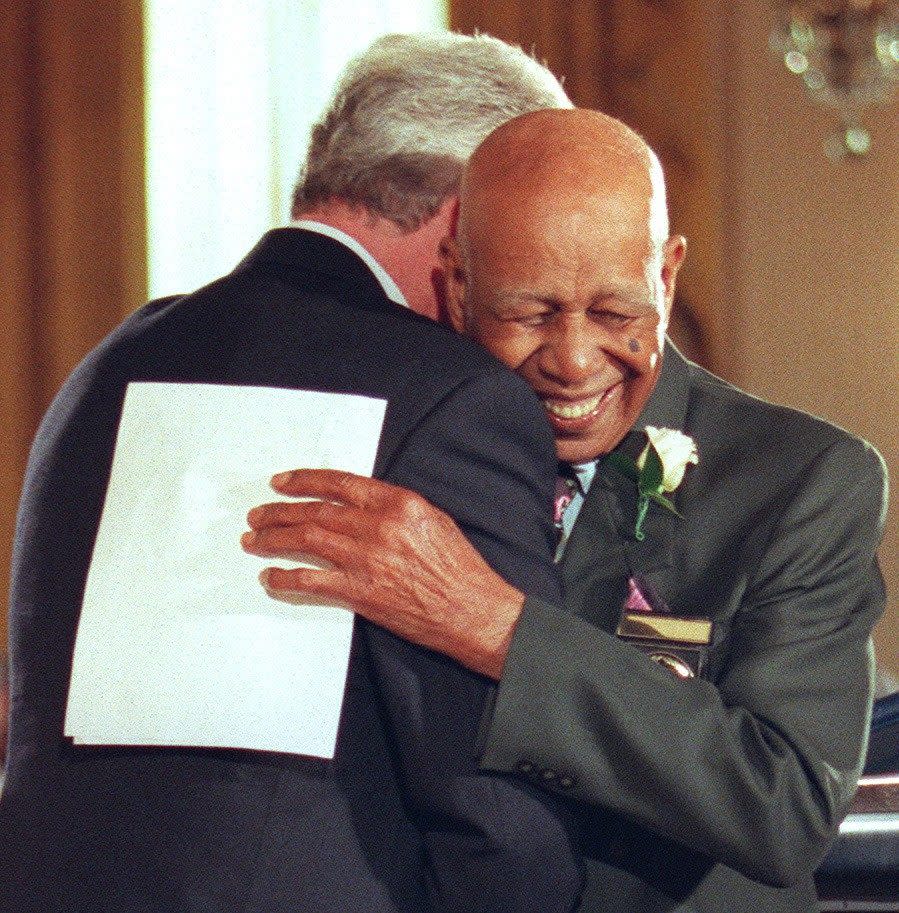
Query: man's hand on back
x=394 y=558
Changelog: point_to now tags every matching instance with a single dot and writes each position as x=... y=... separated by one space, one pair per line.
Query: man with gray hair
x=385 y=159
x=405 y=117
x=401 y=819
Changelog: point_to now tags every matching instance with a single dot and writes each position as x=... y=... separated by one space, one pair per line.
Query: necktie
x=566 y=485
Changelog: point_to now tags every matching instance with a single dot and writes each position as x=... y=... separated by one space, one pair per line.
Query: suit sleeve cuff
x=512 y=730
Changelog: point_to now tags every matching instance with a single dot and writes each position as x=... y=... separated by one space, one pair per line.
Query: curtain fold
x=72 y=235
x=231 y=146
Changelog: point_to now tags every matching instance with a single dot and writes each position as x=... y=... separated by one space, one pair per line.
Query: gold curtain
x=651 y=64
x=72 y=236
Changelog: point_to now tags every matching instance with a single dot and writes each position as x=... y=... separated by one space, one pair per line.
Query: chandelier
x=847 y=54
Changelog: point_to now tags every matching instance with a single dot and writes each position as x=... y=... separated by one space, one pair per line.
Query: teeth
x=572 y=410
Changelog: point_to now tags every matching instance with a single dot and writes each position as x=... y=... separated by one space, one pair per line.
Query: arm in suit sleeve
x=485 y=456
x=754 y=770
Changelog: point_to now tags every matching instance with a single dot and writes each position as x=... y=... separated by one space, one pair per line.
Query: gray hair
x=406 y=115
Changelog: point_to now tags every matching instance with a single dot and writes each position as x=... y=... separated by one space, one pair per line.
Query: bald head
x=563 y=268
x=562 y=158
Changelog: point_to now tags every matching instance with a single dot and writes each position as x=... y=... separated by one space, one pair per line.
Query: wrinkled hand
x=394 y=558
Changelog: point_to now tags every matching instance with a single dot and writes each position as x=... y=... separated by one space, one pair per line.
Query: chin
x=571 y=450
x=570 y=453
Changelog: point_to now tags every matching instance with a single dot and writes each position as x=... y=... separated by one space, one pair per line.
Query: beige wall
x=813 y=261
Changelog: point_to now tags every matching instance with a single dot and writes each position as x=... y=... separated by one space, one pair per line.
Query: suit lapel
x=595 y=563
x=602 y=552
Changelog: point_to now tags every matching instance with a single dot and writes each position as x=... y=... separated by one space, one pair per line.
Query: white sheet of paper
x=178 y=643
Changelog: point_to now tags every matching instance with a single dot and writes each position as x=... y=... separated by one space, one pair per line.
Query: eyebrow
x=627 y=293
x=631 y=294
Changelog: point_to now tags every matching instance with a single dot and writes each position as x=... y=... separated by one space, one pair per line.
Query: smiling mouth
x=577 y=412
x=578 y=409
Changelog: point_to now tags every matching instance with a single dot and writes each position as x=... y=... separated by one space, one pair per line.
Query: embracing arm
x=756 y=769
x=442 y=554
x=443 y=615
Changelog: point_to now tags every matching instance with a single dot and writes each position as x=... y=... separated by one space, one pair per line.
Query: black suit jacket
x=716 y=795
x=401 y=818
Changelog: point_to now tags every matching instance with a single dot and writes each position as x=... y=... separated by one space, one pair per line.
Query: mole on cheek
x=634 y=346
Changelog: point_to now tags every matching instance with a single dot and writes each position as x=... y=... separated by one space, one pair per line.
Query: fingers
x=332 y=485
x=336 y=588
x=304 y=585
x=299 y=543
x=330 y=585
x=338 y=518
x=354 y=506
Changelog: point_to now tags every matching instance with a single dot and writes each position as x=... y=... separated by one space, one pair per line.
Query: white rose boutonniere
x=658 y=470
x=675 y=450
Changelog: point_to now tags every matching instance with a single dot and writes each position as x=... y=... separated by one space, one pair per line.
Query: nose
x=572 y=353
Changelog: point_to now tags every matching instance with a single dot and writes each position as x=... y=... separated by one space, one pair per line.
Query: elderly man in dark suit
x=746 y=531
x=401 y=819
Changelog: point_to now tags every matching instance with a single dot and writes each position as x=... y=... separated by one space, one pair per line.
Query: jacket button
x=549 y=775
x=566 y=782
x=525 y=767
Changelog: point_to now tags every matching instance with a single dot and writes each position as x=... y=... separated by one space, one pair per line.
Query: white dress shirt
x=584 y=474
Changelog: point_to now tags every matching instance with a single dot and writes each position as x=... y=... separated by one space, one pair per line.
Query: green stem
x=642 y=509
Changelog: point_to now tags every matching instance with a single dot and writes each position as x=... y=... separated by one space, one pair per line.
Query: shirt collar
x=583 y=474
x=391 y=289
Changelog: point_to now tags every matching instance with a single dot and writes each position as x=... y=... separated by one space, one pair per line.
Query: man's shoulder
x=234 y=330
x=736 y=420
x=248 y=328
x=429 y=342
x=245 y=305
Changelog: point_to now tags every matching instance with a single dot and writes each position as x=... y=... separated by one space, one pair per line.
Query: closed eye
x=532 y=314
x=534 y=319
x=613 y=319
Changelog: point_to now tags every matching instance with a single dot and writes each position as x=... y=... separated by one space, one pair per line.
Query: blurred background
x=145 y=147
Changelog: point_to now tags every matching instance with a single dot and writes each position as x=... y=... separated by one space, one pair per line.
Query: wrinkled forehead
x=571 y=210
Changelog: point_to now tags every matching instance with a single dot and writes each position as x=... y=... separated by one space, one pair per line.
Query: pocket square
x=641 y=597
x=678 y=644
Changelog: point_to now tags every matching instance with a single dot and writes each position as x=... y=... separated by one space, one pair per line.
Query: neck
x=411 y=258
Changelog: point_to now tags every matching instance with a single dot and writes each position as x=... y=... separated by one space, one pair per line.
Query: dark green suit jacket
x=721 y=793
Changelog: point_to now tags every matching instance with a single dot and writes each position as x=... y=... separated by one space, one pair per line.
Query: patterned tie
x=566 y=486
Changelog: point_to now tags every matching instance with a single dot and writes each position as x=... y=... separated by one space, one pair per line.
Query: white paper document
x=178 y=643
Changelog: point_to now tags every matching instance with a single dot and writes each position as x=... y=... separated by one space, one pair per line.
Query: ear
x=454 y=216
x=455 y=282
x=674 y=251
